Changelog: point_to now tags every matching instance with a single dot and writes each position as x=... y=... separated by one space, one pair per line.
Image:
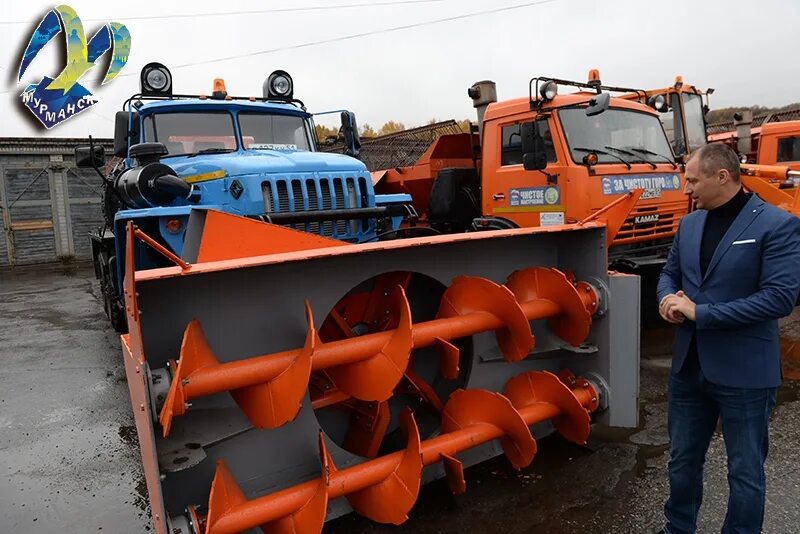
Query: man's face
x=706 y=191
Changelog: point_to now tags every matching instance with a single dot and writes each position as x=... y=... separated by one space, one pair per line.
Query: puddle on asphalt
x=128 y=435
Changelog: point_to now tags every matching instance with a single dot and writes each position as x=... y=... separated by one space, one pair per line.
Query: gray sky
x=416 y=74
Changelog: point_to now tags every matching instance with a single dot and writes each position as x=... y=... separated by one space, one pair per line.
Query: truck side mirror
x=90 y=157
x=123 y=137
x=598 y=104
x=350 y=132
x=534 y=157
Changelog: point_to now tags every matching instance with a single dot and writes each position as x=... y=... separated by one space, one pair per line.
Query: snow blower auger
x=434 y=354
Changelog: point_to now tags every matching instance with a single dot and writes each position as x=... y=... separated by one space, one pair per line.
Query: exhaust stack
x=482 y=94
x=742 y=121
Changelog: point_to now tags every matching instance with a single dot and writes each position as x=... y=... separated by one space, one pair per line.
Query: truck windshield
x=695 y=125
x=191 y=132
x=262 y=131
x=633 y=131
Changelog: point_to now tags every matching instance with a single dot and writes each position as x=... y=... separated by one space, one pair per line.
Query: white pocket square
x=743 y=242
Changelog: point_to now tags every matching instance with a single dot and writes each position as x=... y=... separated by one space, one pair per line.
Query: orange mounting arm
x=614 y=214
x=155 y=245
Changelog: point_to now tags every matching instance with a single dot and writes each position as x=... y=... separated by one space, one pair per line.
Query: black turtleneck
x=718 y=221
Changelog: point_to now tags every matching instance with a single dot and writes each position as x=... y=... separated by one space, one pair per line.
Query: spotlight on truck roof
x=279 y=85
x=549 y=90
x=155 y=80
x=658 y=103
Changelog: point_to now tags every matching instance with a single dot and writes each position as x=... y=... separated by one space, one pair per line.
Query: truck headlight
x=155 y=80
x=549 y=90
x=659 y=103
x=279 y=85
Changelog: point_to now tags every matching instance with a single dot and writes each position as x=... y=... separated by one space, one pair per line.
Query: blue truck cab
x=253 y=157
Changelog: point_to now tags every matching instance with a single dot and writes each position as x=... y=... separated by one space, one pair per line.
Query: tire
x=115 y=310
x=117 y=315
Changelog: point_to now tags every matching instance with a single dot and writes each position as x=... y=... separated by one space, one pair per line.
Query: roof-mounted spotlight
x=658 y=103
x=549 y=90
x=279 y=85
x=155 y=80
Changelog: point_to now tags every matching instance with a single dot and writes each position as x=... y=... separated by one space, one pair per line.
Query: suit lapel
x=742 y=221
x=696 y=236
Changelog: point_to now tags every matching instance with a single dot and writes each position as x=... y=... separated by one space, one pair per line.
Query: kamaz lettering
x=646 y=219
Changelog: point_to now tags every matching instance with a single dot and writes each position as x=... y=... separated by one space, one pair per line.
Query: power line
x=256 y=11
x=347 y=37
x=364 y=34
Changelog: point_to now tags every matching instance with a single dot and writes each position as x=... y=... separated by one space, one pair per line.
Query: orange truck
x=549 y=159
x=769 y=139
x=682 y=112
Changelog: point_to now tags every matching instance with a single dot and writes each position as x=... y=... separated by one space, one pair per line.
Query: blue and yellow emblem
x=54 y=100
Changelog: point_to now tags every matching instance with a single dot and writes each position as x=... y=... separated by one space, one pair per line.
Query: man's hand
x=681 y=305
x=665 y=308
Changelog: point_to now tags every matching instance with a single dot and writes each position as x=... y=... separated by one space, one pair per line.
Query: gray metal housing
x=258 y=309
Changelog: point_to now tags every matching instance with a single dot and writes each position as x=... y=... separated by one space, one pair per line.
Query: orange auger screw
x=269 y=388
x=385 y=489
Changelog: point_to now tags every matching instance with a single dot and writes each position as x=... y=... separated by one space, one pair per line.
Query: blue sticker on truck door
x=653 y=184
x=534 y=196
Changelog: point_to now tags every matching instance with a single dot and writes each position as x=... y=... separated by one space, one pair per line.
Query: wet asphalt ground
x=69 y=458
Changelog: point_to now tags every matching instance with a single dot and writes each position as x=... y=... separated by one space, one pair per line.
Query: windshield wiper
x=598 y=151
x=651 y=153
x=628 y=153
x=212 y=150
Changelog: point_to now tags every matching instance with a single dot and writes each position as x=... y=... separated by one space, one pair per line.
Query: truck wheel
x=116 y=313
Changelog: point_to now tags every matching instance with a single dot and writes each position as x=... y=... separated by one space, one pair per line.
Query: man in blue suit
x=733 y=271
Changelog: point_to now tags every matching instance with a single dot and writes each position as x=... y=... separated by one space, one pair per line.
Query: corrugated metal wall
x=47 y=205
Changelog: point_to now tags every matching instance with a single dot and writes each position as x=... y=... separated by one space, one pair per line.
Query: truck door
x=528 y=198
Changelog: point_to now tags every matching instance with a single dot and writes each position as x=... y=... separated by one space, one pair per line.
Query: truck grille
x=646 y=223
x=289 y=194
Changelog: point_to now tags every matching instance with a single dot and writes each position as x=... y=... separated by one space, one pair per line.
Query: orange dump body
x=774 y=143
x=447 y=151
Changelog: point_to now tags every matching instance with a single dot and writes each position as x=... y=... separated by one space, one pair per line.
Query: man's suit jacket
x=752 y=281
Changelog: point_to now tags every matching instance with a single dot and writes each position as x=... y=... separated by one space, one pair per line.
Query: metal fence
x=399 y=149
x=778 y=116
x=47 y=205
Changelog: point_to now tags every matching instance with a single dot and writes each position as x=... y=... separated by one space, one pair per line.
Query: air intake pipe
x=154 y=184
x=482 y=94
x=151 y=183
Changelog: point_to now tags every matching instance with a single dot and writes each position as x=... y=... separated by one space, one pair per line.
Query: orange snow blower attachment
x=775 y=184
x=433 y=354
x=385 y=489
x=269 y=388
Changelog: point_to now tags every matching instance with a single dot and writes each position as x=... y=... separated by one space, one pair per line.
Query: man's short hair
x=714 y=157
